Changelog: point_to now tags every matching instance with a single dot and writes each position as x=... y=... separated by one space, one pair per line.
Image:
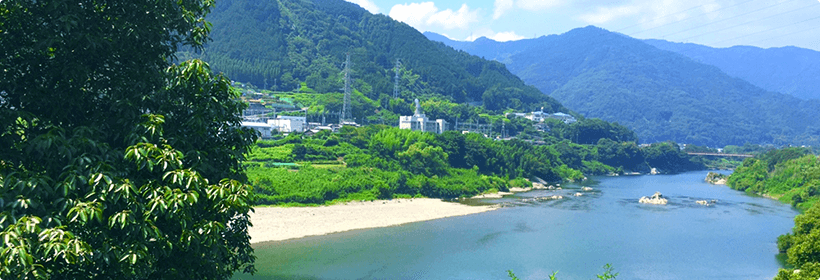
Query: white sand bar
x=279 y=223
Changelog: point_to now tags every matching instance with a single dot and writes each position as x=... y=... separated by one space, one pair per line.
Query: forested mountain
x=660 y=94
x=788 y=70
x=279 y=44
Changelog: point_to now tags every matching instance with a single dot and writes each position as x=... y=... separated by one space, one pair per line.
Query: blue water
x=733 y=239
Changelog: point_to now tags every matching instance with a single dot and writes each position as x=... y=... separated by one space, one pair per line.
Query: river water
x=732 y=239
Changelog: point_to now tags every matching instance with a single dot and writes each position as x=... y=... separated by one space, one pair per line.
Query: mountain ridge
x=790 y=70
x=660 y=94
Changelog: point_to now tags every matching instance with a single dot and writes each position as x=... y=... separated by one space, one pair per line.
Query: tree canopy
x=278 y=45
x=117 y=164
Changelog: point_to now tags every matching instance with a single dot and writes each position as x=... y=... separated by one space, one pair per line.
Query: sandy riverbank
x=277 y=223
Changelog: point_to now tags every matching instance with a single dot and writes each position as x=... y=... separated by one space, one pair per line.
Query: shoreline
x=280 y=223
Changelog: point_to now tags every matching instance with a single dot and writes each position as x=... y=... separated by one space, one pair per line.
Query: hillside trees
x=115 y=163
x=790 y=173
x=668 y=157
x=285 y=43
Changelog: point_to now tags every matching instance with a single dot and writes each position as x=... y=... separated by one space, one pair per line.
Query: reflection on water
x=733 y=238
x=489 y=237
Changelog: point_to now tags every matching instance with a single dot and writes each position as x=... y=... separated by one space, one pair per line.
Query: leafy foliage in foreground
x=802 y=247
x=608 y=274
x=114 y=163
x=377 y=162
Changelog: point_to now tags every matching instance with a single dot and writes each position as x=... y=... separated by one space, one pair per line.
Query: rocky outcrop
x=586 y=189
x=543 y=198
x=656 y=198
x=492 y=195
x=716 y=178
x=706 y=202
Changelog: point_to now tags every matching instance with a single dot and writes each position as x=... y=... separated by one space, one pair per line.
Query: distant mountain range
x=282 y=44
x=789 y=70
x=660 y=94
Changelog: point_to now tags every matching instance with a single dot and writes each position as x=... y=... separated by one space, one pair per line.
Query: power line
x=787 y=34
x=659 y=26
x=662 y=17
x=723 y=20
x=746 y=35
x=759 y=19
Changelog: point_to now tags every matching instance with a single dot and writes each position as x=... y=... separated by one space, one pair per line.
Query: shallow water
x=732 y=239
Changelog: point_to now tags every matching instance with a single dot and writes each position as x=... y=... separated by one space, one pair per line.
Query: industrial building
x=418 y=121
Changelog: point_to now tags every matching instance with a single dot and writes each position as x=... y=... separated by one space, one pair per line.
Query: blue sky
x=717 y=23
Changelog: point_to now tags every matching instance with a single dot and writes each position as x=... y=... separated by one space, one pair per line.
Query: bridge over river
x=721 y=155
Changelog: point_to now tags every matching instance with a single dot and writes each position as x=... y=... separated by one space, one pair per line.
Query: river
x=733 y=239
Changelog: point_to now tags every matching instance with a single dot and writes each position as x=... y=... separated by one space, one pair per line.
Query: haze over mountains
x=662 y=95
x=789 y=70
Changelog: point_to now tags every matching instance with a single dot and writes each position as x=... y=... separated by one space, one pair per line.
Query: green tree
x=117 y=164
x=803 y=247
x=421 y=158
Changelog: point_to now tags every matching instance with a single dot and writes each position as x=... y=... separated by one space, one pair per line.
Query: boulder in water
x=705 y=202
x=716 y=178
x=656 y=198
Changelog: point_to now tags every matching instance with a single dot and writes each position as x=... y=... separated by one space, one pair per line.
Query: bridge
x=720 y=155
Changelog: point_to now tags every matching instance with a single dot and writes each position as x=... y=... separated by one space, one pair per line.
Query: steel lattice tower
x=396 y=80
x=346 y=108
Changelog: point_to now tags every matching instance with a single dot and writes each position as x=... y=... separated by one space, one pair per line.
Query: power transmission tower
x=503 y=129
x=396 y=80
x=346 y=114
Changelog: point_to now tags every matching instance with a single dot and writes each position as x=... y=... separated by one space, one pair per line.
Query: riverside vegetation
x=378 y=162
x=791 y=175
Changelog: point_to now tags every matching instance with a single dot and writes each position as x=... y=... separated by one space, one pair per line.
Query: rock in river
x=656 y=198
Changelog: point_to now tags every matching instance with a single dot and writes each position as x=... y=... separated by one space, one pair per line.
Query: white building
x=419 y=121
x=288 y=124
x=263 y=128
x=563 y=117
x=537 y=116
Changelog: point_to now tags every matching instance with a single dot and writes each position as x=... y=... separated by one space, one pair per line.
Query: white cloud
x=665 y=11
x=449 y=19
x=502 y=6
x=606 y=14
x=367 y=5
x=500 y=36
x=426 y=14
x=506 y=36
x=537 y=5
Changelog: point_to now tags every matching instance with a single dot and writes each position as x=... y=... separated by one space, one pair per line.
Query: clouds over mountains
x=716 y=23
x=426 y=14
